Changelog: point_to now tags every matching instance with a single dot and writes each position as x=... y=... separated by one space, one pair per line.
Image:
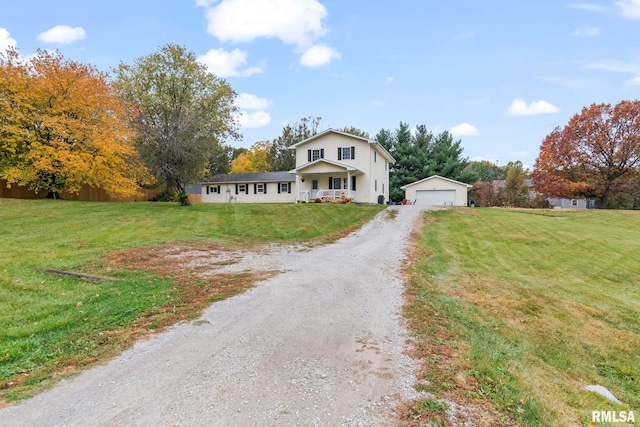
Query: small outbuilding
x=437 y=191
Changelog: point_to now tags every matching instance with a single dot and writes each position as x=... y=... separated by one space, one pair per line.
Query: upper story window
x=346 y=153
x=315 y=154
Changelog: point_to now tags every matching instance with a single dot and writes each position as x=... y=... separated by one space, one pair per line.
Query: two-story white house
x=331 y=165
x=334 y=165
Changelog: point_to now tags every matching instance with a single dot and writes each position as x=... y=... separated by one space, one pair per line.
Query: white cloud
x=586 y=31
x=389 y=80
x=228 y=64
x=63 y=34
x=634 y=81
x=464 y=36
x=518 y=154
x=615 y=66
x=587 y=6
x=296 y=22
x=629 y=8
x=6 y=41
x=464 y=129
x=490 y=158
x=255 y=119
x=319 y=55
x=251 y=102
x=519 y=107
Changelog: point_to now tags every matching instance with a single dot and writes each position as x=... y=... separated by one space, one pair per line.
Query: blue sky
x=499 y=74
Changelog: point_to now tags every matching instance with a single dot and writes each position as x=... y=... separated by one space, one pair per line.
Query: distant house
x=331 y=165
x=555 y=203
x=437 y=191
x=263 y=187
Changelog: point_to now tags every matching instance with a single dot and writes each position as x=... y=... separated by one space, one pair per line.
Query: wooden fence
x=86 y=194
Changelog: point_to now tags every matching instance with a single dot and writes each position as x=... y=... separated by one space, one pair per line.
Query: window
x=346 y=153
x=314 y=184
x=375 y=185
x=574 y=202
x=337 y=183
x=260 y=188
x=213 y=189
x=315 y=154
x=242 y=188
x=375 y=156
x=284 y=187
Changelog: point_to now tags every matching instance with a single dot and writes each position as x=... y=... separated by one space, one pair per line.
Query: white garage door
x=436 y=197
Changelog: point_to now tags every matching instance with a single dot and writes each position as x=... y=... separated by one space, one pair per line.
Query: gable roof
x=453 y=181
x=252 y=177
x=376 y=146
x=330 y=162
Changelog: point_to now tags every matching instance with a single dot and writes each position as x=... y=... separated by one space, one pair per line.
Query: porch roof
x=324 y=166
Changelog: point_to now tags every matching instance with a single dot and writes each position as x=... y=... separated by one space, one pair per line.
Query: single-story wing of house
x=437 y=191
x=262 y=187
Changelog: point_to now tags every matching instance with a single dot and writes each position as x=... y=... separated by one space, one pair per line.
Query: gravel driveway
x=320 y=344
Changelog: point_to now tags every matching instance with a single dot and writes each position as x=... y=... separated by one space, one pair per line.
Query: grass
x=515 y=311
x=51 y=326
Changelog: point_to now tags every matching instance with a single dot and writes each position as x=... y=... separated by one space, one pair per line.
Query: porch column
x=349 y=185
x=297 y=188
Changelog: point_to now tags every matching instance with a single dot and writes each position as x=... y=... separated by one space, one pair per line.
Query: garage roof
x=453 y=181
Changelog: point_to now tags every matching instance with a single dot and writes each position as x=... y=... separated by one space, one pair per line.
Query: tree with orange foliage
x=597 y=154
x=63 y=126
x=253 y=160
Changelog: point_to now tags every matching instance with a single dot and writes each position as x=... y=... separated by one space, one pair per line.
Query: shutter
x=353 y=182
x=207 y=189
x=353 y=153
x=330 y=183
x=322 y=153
x=265 y=188
x=289 y=188
x=309 y=155
x=236 y=188
x=339 y=153
x=218 y=189
x=255 y=188
x=279 y=184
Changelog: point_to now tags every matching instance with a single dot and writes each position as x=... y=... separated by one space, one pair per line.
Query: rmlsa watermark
x=612 y=417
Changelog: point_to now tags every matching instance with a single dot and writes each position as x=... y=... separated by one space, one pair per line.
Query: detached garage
x=437 y=191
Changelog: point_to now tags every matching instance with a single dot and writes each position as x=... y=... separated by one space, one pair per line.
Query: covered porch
x=326 y=181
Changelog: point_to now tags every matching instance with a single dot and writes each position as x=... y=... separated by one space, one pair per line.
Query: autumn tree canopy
x=255 y=159
x=186 y=114
x=63 y=126
x=597 y=154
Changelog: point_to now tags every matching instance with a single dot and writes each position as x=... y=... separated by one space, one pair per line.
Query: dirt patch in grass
x=196 y=271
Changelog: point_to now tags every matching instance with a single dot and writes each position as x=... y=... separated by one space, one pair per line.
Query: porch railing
x=328 y=195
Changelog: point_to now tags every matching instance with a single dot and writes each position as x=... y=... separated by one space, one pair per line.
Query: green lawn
x=52 y=325
x=516 y=310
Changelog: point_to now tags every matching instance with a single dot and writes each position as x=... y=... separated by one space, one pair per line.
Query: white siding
x=271 y=196
x=365 y=160
x=436 y=184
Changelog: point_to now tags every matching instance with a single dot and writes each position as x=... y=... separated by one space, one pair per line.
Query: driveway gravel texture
x=322 y=343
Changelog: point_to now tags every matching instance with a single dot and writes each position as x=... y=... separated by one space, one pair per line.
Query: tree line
x=64 y=124
x=164 y=119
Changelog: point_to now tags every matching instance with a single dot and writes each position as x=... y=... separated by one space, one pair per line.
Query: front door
x=314 y=188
